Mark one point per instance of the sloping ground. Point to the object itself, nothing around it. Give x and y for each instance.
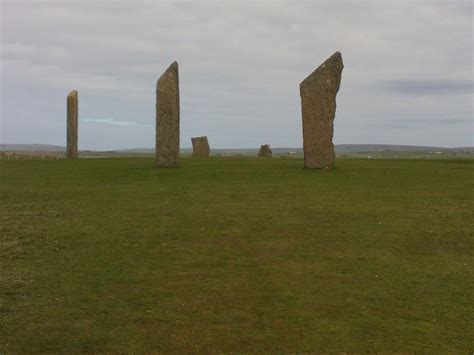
(236, 254)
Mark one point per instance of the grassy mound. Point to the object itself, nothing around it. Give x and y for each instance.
(236, 254)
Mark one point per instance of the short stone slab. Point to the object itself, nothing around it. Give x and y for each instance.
(265, 151)
(200, 146)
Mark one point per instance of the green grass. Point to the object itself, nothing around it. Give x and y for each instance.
(236, 254)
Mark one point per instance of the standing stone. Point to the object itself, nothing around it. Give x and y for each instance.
(318, 106)
(167, 118)
(265, 151)
(200, 146)
(72, 124)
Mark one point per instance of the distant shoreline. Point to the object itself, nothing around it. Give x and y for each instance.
(340, 149)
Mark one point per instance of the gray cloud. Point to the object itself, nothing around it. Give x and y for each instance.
(240, 67)
(404, 123)
(426, 87)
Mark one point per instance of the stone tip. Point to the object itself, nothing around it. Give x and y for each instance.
(72, 93)
(332, 64)
(335, 60)
(172, 69)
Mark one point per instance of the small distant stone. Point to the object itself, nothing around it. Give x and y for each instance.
(200, 146)
(265, 151)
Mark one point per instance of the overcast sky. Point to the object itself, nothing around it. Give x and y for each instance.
(408, 76)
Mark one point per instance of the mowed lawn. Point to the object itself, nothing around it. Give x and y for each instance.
(236, 254)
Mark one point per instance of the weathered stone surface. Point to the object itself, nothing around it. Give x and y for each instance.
(265, 151)
(318, 106)
(72, 124)
(167, 118)
(200, 147)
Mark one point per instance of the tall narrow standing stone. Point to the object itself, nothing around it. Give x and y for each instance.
(167, 118)
(318, 106)
(72, 124)
(200, 146)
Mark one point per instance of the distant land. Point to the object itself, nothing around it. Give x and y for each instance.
(31, 148)
(340, 149)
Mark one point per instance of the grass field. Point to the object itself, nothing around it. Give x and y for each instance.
(236, 254)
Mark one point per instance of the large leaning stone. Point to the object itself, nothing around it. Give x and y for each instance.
(200, 146)
(318, 106)
(265, 151)
(72, 124)
(167, 118)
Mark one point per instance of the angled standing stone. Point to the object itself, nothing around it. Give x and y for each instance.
(72, 124)
(200, 146)
(265, 151)
(167, 118)
(318, 106)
